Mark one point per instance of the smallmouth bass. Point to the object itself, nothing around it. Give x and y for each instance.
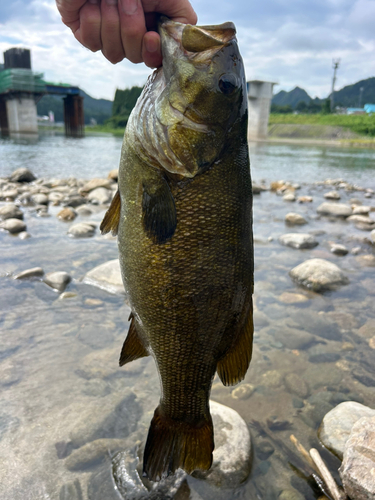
(183, 215)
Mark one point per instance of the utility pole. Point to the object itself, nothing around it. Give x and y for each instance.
(335, 65)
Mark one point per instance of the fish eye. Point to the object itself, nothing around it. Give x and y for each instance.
(228, 84)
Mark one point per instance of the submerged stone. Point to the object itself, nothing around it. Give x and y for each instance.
(319, 275)
(107, 276)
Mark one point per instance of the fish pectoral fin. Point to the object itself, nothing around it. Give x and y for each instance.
(173, 444)
(159, 211)
(112, 216)
(133, 348)
(233, 366)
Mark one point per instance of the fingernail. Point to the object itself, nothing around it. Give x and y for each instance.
(151, 45)
(129, 6)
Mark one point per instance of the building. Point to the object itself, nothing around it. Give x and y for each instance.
(259, 95)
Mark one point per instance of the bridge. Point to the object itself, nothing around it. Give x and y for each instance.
(21, 89)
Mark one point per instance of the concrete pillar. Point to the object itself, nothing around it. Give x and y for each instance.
(74, 116)
(22, 115)
(259, 95)
(4, 128)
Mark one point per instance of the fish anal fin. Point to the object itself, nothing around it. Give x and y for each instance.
(233, 366)
(174, 444)
(159, 211)
(112, 216)
(133, 348)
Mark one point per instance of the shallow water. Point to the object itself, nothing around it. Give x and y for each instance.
(60, 385)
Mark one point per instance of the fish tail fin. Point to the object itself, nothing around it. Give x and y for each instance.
(174, 444)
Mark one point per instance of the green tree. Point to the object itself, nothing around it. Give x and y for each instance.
(123, 105)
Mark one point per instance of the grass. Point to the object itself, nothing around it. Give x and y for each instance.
(361, 124)
(104, 129)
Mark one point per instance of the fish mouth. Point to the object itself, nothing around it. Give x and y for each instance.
(194, 41)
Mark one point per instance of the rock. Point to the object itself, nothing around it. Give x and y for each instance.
(244, 391)
(91, 454)
(291, 494)
(319, 275)
(332, 195)
(256, 188)
(364, 378)
(55, 198)
(372, 235)
(298, 240)
(84, 210)
(74, 200)
(357, 470)
(107, 276)
(58, 280)
(95, 184)
(361, 210)
(264, 450)
(294, 219)
(22, 175)
(35, 272)
(296, 385)
(319, 324)
(82, 230)
(102, 363)
(271, 378)
(338, 249)
(368, 329)
(100, 196)
(292, 338)
(71, 491)
(366, 260)
(40, 199)
(305, 199)
(371, 342)
(292, 298)
(113, 175)
(334, 209)
(324, 357)
(67, 214)
(289, 197)
(10, 211)
(24, 235)
(67, 295)
(13, 226)
(337, 424)
(361, 218)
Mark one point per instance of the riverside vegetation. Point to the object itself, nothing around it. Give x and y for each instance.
(66, 407)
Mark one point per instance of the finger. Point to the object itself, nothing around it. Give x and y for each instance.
(180, 11)
(110, 31)
(89, 30)
(69, 10)
(151, 50)
(133, 28)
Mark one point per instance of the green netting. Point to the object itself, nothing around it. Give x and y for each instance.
(21, 80)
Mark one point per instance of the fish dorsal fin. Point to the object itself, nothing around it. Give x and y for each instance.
(112, 216)
(233, 366)
(200, 38)
(133, 348)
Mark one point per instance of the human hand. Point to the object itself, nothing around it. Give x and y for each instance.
(123, 28)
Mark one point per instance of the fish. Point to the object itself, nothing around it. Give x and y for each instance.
(183, 216)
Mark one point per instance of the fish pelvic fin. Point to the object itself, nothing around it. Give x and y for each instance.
(233, 366)
(133, 348)
(112, 216)
(173, 444)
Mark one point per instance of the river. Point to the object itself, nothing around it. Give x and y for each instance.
(60, 385)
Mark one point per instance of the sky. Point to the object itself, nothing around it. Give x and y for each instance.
(291, 42)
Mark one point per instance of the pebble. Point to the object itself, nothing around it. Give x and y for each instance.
(296, 385)
(75, 200)
(82, 230)
(34, 272)
(325, 357)
(338, 249)
(84, 210)
(292, 298)
(366, 260)
(371, 342)
(361, 210)
(368, 329)
(107, 276)
(40, 199)
(22, 175)
(264, 450)
(291, 494)
(113, 174)
(334, 209)
(67, 295)
(100, 196)
(332, 195)
(292, 338)
(58, 280)
(319, 275)
(24, 235)
(294, 219)
(95, 183)
(13, 226)
(244, 391)
(357, 470)
(93, 302)
(298, 240)
(10, 211)
(67, 214)
(372, 235)
(305, 199)
(271, 378)
(289, 197)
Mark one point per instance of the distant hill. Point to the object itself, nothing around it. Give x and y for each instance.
(291, 98)
(346, 97)
(99, 109)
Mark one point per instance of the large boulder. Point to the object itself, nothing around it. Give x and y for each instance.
(319, 275)
(358, 466)
(334, 209)
(337, 424)
(22, 175)
(107, 276)
(298, 240)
